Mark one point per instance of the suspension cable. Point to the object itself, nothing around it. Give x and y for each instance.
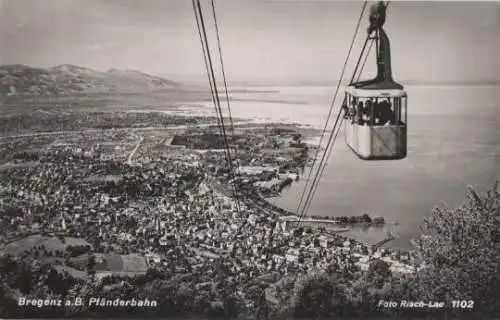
(366, 59)
(213, 86)
(330, 146)
(333, 138)
(307, 199)
(339, 128)
(228, 106)
(216, 91)
(359, 59)
(206, 64)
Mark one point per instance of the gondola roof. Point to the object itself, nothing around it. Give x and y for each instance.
(375, 93)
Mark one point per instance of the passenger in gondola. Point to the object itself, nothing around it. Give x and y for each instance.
(352, 110)
(345, 110)
(368, 111)
(358, 113)
(377, 113)
(353, 114)
(387, 113)
(384, 113)
(391, 115)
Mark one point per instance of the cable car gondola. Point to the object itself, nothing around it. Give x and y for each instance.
(376, 109)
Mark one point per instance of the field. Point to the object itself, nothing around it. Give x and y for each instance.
(73, 272)
(134, 263)
(50, 243)
(120, 263)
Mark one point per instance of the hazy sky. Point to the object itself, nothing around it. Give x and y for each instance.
(277, 39)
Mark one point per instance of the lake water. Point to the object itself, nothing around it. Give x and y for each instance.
(453, 142)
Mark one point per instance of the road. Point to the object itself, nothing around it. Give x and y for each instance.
(129, 160)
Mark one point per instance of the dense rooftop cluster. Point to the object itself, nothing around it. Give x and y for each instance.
(99, 214)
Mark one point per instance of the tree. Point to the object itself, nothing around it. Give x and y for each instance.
(366, 218)
(298, 232)
(378, 272)
(319, 296)
(61, 237)
(296, 137)
(25, 279)
(91, 263)
(459, 250)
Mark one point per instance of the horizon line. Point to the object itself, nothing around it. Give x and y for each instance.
(253, 80)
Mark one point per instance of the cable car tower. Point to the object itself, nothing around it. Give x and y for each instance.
(376, 109)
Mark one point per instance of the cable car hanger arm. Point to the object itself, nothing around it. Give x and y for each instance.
(384, 79)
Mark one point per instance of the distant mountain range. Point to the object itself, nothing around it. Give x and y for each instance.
(69, 79)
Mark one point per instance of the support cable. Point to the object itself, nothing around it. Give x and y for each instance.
(237, 193)
(335, 134)
(212, 82)
(332, 134)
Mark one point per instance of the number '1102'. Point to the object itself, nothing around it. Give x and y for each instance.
(463, 304)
